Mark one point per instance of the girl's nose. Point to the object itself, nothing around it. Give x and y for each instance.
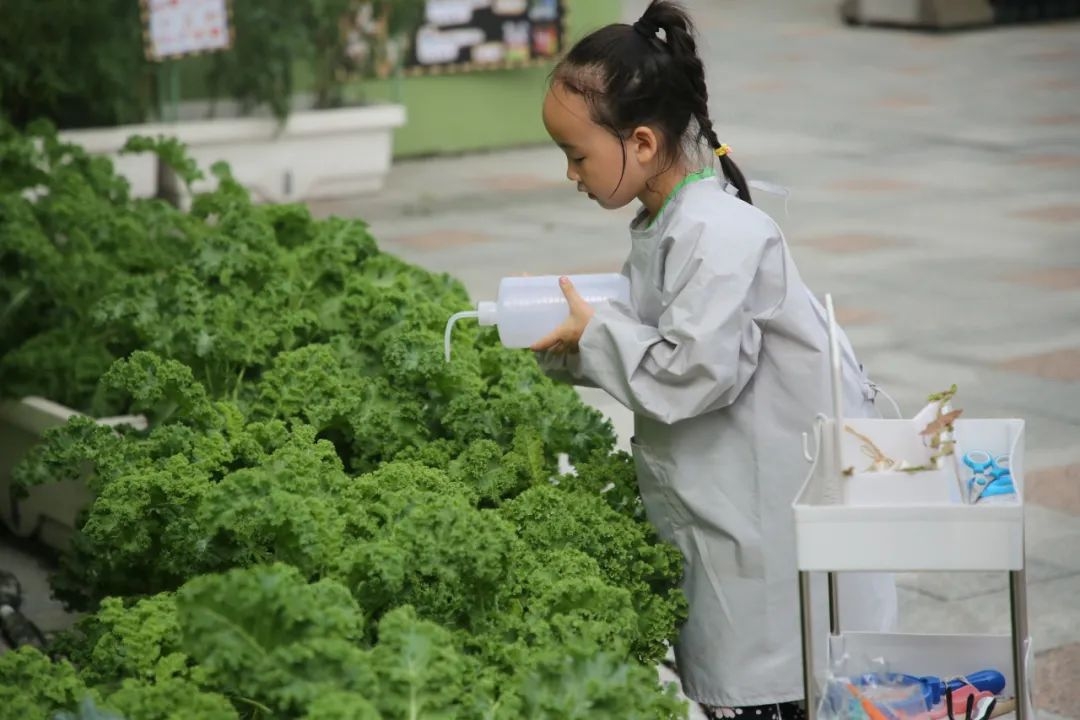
(571, 175)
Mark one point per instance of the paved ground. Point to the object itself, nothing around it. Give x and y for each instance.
(935, 187)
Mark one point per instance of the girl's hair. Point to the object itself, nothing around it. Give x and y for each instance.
(631, 77)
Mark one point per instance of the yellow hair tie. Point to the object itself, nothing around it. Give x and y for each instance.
(723, 150)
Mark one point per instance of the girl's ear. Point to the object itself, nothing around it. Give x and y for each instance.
(644, 144)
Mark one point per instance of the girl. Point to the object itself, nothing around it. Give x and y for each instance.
(723, 357)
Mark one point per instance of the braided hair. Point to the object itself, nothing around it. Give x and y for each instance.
(650, 74)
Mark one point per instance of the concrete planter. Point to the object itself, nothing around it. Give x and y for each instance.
(938, 14)
(141, 170)
(315, 154)
(50, 512)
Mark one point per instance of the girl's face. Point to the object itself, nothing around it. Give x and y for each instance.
(595, 157)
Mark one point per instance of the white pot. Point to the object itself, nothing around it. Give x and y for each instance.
(50, 512)
(141, 170)
(316, 154)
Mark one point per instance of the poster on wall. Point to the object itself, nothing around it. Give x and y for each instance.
(463, 35)
(176, 28)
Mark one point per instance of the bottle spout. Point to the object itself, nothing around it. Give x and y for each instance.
(487, 313)
(450, 328)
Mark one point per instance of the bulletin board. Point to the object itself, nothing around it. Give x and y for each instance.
(177, 28)
(469, 35)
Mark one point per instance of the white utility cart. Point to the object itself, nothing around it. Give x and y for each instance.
(893, 522)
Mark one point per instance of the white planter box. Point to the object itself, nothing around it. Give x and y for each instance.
(919, 13)
(50, 512)
(141, 170)
(316, 154)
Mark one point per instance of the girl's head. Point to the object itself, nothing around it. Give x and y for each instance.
(629, 103)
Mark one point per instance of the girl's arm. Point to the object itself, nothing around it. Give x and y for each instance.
(718, 290)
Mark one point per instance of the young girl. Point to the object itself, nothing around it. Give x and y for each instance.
(723, 358)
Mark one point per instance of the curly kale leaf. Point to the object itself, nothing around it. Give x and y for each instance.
(63, 364)
(550, 599)
(550, 518)
(517, 395)
(68, 452)
(139, 641)
(342, 705)
(162, 388)
(222, 336)
(87, 710)
(569, 683)
(498, 475)
(611, 475)
(169, 699)
(329, 251)
(23, 162)
(432, 549)
(170, 151)
(420, 671)
(141, 535)
(265, 634)
(35, 687)
(366, 418)
(288, 648)
(413, 357)
(183, 503)
(285, 509)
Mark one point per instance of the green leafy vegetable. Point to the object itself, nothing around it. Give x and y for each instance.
(324, 519)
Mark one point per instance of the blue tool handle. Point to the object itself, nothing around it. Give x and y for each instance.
(983, 680)
(934, 688)
(998, 488)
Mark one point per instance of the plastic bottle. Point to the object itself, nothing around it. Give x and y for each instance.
(529, 308)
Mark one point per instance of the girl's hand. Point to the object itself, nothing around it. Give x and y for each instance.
(565, 338)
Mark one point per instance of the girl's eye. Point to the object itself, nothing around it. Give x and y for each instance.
(579, 160)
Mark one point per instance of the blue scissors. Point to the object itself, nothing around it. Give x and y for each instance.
(990, 475)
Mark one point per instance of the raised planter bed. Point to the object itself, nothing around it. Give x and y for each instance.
(50, 512)
(315, 154)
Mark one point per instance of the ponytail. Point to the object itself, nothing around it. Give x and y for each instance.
(679, 33)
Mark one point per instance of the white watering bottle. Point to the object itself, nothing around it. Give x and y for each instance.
(529, 308)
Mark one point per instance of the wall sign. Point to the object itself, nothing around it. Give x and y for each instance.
(175, 28)
(463, 35)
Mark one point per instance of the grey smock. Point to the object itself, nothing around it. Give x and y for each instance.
(724, 360)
